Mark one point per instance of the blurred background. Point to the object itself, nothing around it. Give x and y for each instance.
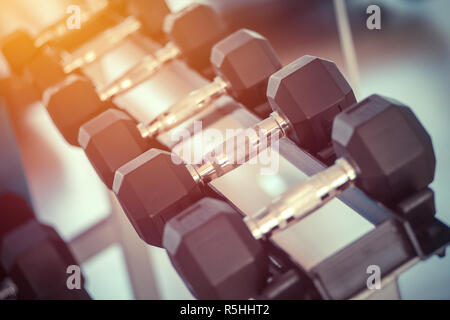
(407, 59)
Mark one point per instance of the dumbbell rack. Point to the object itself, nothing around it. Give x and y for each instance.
(355, 199)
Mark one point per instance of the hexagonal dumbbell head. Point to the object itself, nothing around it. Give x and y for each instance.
(389, 145)
(15, 211)
(310, 92)
(151, 14)
(246, 60)
(194, 30)
(18, 49)
(43, 64)
(32, 254)
(18, 94)
(36, 258)
(152, 189)
(72, 103)
(45, 70)
(215, 254)
(110, 140)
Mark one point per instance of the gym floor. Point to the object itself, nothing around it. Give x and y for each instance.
(408, 59)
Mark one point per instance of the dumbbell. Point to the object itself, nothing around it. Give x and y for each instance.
(214, 253)
(217, 257)
(48, 65)
(197, 19)
(112, 138)
(20, 48)
(384, 149)
(192, 33)
(305, 96)
(32, 254)
(14, 212)
(203, 29)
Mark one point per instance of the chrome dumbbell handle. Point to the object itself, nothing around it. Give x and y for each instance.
(101, 45)
(142, 71)
(303, 200)
(239, 149)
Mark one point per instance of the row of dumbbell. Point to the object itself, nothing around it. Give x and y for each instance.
(148, 204)
(41, 59)
(46, 66)
(308, 97)
(48, 63)
(305, 96)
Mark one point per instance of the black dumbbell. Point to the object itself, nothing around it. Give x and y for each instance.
(217, 257)
(17, 93)
(20, 48)
(196, 19)
(214, 252)
(112, 139)
(33, 255)
(42, 58)
(193, 31)
(384, 150)
(305, 96)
